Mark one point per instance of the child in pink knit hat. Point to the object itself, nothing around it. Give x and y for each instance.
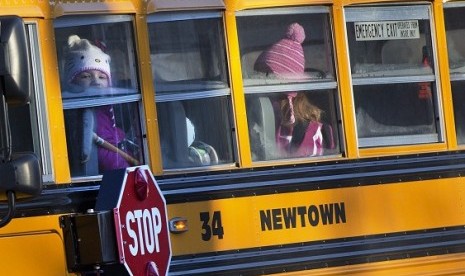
(87, 66)
(299, 132)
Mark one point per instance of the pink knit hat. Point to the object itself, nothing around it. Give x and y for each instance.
(285, 59)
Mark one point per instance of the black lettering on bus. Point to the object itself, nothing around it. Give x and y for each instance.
(289, 216)
(205, 219)
(326, 211)
(332, 211)
(217, 225)
(302, 211)
(214, 228)
(276, 213)
(313, 215)
(265, 219)
(340, 213)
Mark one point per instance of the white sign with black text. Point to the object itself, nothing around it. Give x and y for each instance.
(386, 30)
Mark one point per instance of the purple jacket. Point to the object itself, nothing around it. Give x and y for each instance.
(107, 129)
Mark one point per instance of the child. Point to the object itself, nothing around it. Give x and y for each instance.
(298, 132)
(87, 66)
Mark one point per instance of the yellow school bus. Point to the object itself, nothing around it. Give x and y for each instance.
(297, 137)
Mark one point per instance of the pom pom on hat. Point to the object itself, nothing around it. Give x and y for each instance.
(295, 32)
(83, 56)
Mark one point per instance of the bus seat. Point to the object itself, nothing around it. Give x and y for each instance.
(167, 67)
(247, 63)
(377, 117)
(262, 127)
(179, 149)
(317, 57)
(368, 126)
(407, 51)
(206, 125)
(173, 134)
(74, 135)
(456, 53)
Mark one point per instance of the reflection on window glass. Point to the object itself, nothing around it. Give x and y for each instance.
(288, 70)
(188, 55)
(392, 63)
(455, 31)
(377, 118)
(390, 48)
(193, 96)
(100, 94)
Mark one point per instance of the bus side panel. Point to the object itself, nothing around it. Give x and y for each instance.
(306, 216)
(32, 246)
(451, 264)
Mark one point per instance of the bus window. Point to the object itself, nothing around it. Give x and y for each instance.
(455, 31)
(100, 93)
(289, 82)
(394, 84)
(192, 90)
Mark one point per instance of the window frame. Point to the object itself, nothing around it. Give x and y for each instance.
(455, 77)
(38, 107)
(119, 96)
(329, 86)
(400, 12)
(177, 92)
(168, 96)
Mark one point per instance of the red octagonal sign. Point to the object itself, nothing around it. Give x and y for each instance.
(140, 220)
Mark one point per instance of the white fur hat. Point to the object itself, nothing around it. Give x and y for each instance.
(83, 56)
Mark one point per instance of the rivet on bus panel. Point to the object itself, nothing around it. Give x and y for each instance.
(178, 225)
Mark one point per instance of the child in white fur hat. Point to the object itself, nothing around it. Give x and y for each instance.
(87, 66)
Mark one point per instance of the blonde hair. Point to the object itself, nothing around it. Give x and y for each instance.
(303, 110)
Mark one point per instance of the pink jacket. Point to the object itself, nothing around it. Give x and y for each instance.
(311, 145)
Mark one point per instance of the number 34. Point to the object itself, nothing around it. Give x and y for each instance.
(213, 228)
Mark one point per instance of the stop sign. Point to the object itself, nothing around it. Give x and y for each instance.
(140, 217)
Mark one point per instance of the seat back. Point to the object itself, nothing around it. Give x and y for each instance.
(173, 134)
(262, 128)
(79, 141)
(407, 51)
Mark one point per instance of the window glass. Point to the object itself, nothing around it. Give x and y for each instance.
(394, 85)
(291, 91)
(100, 93)
(192, 89)
(455, 31)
